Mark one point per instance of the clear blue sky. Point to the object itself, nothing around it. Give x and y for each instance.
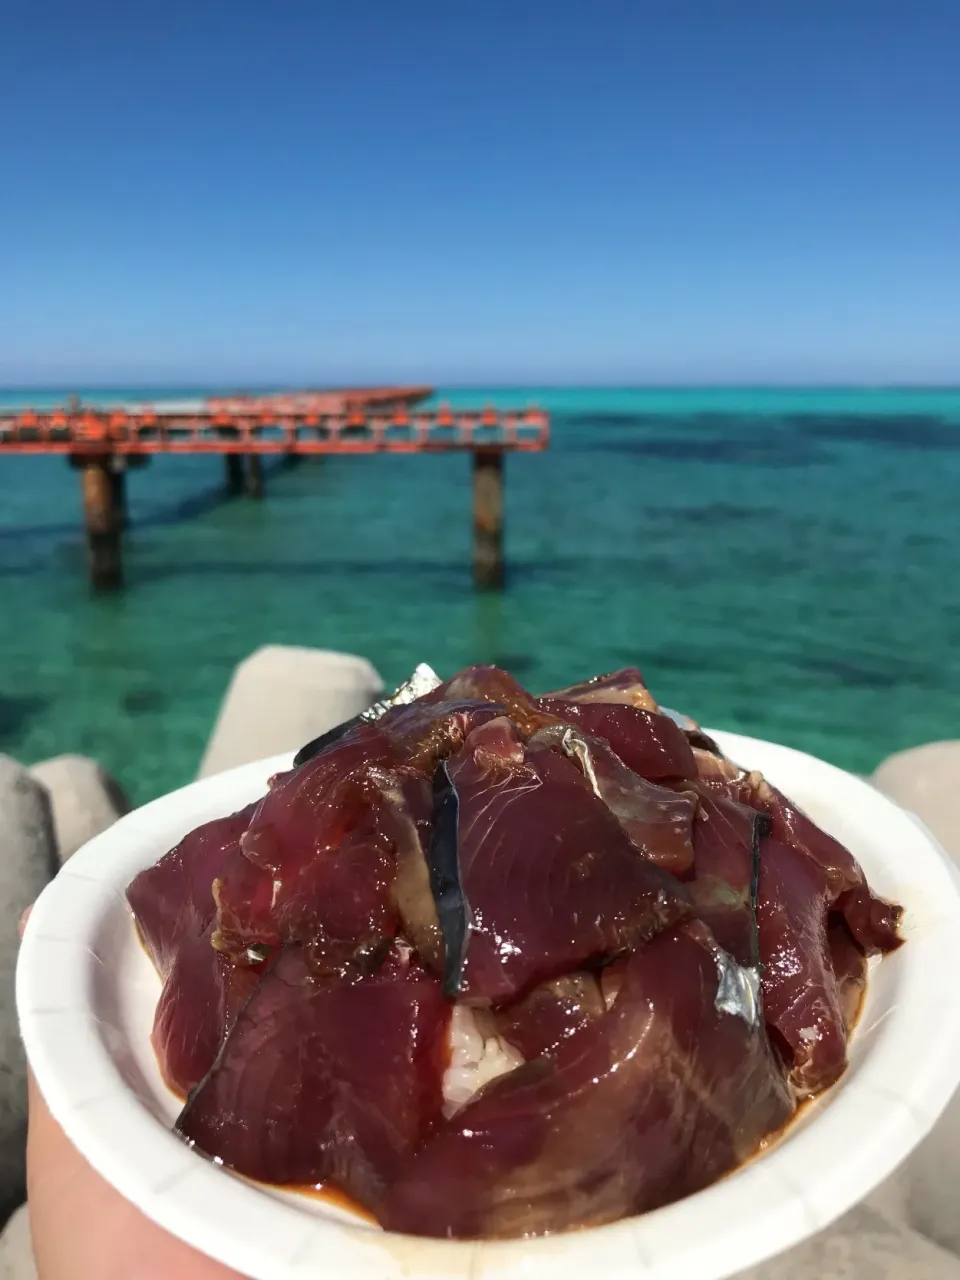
(197, 191)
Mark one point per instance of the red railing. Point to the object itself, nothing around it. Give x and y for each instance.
(276, 427)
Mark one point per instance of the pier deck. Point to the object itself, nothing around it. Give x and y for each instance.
(104, 443)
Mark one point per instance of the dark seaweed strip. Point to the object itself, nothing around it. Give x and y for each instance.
(692, 732)
(703, 741)
(443, 859)
(326, 740)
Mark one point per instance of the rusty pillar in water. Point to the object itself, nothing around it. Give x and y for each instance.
(488, 518)
(255, 475)
(233, 465)
(118, 478)
(103, 517)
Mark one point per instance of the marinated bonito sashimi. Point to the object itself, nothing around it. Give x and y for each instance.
(656, 1098)
(551, 879)
(496, 965)
(176, 915)
(322, 1080)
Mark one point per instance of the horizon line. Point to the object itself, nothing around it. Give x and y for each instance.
(481, 385)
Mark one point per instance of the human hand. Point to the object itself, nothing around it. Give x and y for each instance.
(83, 1229)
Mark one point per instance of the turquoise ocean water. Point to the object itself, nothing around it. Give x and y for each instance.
(783, 563)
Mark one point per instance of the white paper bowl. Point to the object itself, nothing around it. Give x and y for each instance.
(86, 995)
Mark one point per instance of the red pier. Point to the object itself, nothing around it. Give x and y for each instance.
(103, 443)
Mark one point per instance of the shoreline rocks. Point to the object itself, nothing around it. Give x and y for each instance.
(16, 1248)
(85, 800)
(281, 697)
(28, 861)
(863, 1245)
(926, 780)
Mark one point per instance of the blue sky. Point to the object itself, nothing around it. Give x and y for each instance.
(528, 190)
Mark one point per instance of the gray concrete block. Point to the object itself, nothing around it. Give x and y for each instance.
(16, 1248)
(28, 860)
(926, 780)
(924, 1192)
(281, 697)
(863, 1245)
(85, 800)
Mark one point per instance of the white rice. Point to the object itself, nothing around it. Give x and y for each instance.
(476, 1058)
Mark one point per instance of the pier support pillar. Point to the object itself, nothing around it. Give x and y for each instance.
(118, 478)
(488, 519)
(102, 515)
(255, 475)
(233, 463)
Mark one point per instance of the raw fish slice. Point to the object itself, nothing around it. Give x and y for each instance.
(342, 905)
(617, 707)
(202, 994)
(649, 744)
(173, 899)
(318, 835)
(657, 821)
(339, 900)
(624, 686)
(174, 909)
(318, 859)
(314, 806)
(872, 921)
(245, 919)
(549, 878)
(499, 688)
(432, 728)
(326, 1081)
(801, 996)
(723, 885)
(550, 1013)
(793, 827)
(653, 1100)
(790, 825)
